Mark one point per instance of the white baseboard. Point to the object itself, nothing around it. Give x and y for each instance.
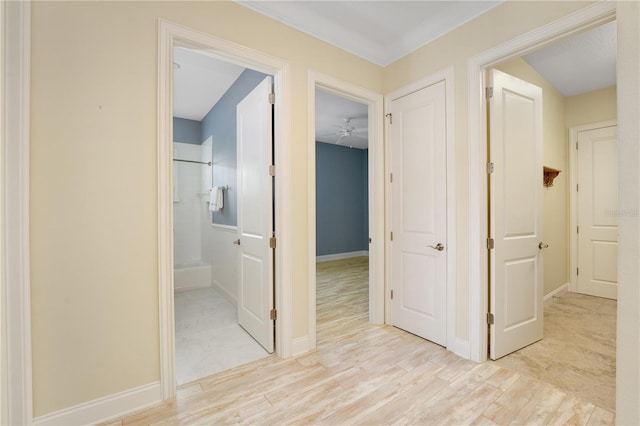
(338, 256)
(548, 298)
(461, 348)
(300, 345)
(230, 297)
(106, 408)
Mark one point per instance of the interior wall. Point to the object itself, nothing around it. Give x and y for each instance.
(593, 107)
(554, 155)
(220, 124)
(187, 131)
(341, 199)
(94, 250)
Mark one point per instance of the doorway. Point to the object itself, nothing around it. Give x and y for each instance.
(576, 354)
(219, 108)
(171, 36)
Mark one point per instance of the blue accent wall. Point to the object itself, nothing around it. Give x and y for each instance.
(187, 131)
(220, 123)
(342, 213)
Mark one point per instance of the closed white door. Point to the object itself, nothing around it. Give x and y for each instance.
(255, 214)
(598, 212)
(419, 212)
(516, 214)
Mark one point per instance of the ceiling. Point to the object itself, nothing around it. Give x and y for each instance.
(378, 31)
(199, 81)
(381, 32)
(341, 121)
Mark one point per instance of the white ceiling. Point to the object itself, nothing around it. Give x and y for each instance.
(199, 81)
(382, 31)
(378, 31)
(579, 64)
(335, 114)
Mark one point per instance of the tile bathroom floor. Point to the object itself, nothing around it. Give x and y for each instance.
(208, 337)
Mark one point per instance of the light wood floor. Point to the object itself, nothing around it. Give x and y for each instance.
(368, 374)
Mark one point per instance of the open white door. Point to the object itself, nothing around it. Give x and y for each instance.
(516, 214)
(255, 214)
(418, 141)
(598, 212)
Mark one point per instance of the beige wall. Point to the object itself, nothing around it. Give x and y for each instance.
(93, 182)
(93, 171)
(592, 107)
(556, 198)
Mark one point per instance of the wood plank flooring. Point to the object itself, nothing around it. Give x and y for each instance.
(367, 374)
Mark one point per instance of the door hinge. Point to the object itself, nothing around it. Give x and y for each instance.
(490, 318)
(490, 168)
(578, 229)
(491, 243)
(488, 92)
(577, 187)
(272, 242)
(272, 170)
(391, 294)
(391, 235)
(576, 144)
(390, 116)
(391, 177)
(370, 240)
(273, 314)
(272, 98)
(577, 271)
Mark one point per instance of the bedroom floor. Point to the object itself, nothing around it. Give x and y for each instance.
(208, 337)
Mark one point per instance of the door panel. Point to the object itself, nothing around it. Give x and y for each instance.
(597, 212)
(516, 279)
(255, 213)
(419, 217)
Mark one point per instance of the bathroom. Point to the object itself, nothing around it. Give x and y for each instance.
(208, 338)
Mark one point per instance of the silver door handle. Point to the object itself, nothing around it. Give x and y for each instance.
(237, 242)
(543, 245)
(438, 247)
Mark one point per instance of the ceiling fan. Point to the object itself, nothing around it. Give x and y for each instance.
(349, 130)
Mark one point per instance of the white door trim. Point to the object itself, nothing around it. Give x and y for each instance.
(376, 193)
(454, 344)
(169, 35)
(586, 18)
(573, 196)
(17, 397)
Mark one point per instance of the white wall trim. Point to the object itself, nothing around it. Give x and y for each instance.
(548, 298)
(588, 17)
(447, 75)
(573, 196)
(106, 408)
(376, 193)
(16, 295)
(339, 256)
(300, 345)
(169, 35)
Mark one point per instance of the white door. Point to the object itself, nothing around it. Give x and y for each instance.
(255, 214)
(419, 212)
(516, 214)
(598, 212)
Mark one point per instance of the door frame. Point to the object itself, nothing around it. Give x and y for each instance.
(376, 196)
(170, 35)
(584, 19)
(458, 346)
(573, 195)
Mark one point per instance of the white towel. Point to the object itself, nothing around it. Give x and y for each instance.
(216, 199)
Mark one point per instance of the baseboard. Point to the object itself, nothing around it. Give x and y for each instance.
(461, 348)
(232, 298)
(338, 256)
(299, 345)
(190, 287)
(106, 408)
(548, 298)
